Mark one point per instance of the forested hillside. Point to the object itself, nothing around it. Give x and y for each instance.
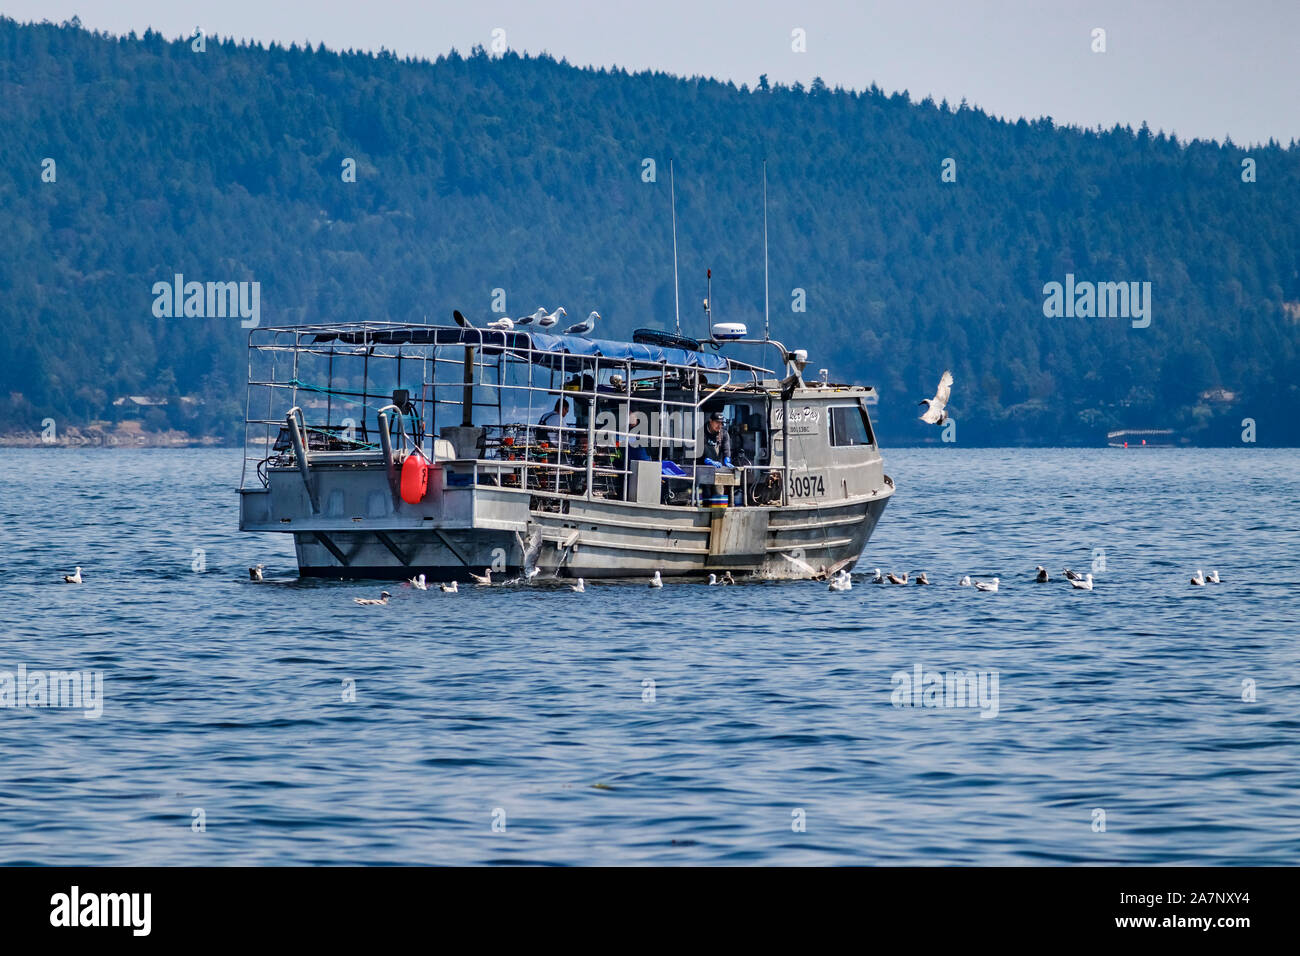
(476, 173)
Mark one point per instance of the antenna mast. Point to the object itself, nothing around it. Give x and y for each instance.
(767, 321)
(677, 300)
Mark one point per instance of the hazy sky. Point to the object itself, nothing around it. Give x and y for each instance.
(1199, 68)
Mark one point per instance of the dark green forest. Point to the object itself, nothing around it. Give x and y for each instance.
(477, 172)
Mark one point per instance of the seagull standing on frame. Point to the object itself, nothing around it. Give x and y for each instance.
(503, 324)
(530, 319)
(546, 321)
(936, 413)
(585, 326)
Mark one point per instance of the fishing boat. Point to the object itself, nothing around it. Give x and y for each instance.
(389, 450)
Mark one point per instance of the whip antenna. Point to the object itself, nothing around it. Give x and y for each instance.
(672, 191)
(767, 321)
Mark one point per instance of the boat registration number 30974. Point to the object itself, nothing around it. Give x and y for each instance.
(807, 486)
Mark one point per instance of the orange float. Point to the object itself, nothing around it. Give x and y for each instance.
(415, 478)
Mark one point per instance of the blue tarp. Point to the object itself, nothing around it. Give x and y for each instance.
(493, 341)
(628, 351)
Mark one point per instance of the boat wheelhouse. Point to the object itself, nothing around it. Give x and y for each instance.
(389, 450)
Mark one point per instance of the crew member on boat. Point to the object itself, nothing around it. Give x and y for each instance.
(555, 418)
(717, 442)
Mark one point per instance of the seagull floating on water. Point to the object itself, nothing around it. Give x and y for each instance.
(1072, 575)
(486, 577)
(255, 572)
(879, 578)
(585, 326)
(546, 321)
(935, 414)
(921, 578)
(964, 582)
(1043, 576)
(986, 585)
(530, 319)
(503, 324)
(841, 581)
(1199, 580)
(1213, 578)
(452, 588)
(418, 583)
(1085, 584)
(580, 587)
(73, 578)
(656, 581)
(381, 600)
(895, 579)
(727, 578)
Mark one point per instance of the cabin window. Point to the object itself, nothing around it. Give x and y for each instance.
(849, 425)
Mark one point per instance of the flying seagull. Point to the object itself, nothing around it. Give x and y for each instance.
(546, 321)
(584, 327)
(381, 600)
(530, 319)
(936, 414)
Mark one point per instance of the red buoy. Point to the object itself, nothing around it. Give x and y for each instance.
(415, 478)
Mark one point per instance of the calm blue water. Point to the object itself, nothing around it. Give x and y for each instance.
(226, 696)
